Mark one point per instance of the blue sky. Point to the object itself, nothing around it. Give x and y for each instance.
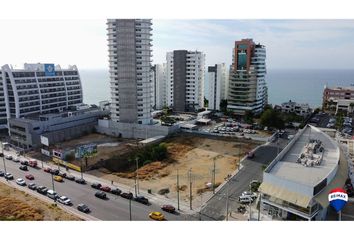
(289, 43)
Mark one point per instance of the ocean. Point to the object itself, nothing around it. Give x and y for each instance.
(303, 86)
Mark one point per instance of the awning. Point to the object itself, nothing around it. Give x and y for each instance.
(285, 195)
(337, 182)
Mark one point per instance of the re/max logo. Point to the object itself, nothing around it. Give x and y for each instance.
(337, 195)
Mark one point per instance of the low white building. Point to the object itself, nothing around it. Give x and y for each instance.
(301, 109)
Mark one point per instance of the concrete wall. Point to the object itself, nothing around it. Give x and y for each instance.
(127, 130)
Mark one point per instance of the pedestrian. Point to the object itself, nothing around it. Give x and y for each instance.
(112, 182)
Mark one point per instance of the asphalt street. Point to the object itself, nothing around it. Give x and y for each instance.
(115, 208)
(215, 208)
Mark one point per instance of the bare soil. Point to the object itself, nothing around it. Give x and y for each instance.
(187, 152)
(18, 205)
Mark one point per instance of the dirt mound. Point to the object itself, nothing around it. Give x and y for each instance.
(147, 171)
(18, 210)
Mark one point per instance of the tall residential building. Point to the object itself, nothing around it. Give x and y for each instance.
(3, 115)
(39, 89)
(247, 86)
(129, 46)
(217, 78)
(185, 80)
(158, 77)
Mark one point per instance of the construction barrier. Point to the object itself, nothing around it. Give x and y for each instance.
(66, 164)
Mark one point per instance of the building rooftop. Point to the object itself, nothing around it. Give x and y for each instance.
(288, 166)
(350, 88)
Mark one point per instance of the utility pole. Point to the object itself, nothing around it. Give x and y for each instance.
(259, 207)
(177, 190)
(130, 209)
(190, 188)
(214, 160)
(137, 174)
(3, 156)
(52, 181)
(227, 201)
(82, 175)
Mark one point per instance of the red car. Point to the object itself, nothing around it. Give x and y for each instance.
(47, 169)
(105, 188)
(29, 177)
(168, 208)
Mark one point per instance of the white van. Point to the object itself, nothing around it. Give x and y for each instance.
(245, 199)
(52, 194)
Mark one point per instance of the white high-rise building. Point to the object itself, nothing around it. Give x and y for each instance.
(217, 77)
(158, 76)
(38, 89)
(129, 46)
(185, 80)
(247, 86)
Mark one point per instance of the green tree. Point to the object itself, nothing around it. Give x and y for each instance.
(272, 118)
(206, 102)
(248, 117)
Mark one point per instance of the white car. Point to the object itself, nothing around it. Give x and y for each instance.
(64, 200)
(21, 182)
(252, 195)
(16, 159)
(8, 157)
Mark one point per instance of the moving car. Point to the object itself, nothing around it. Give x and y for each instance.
(157, 216)
(70, 177)
(116, 191)
(58, 178)
(127, 195)
(21, 182)
(80, 181)
(142, 200)
(245, 199)
(105, 188)
(8, 176)
(23, 168)
(101, 195)
(83, 208)
(168, 208)
(29, 177)
(64, 200)
(32, 186)
(42, 190)
(2, 173)
(96, 185)
(8, 157)
(250, 194)
(47, 169)
(24, 162)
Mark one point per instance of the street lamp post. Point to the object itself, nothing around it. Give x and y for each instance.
(82, 174)
(137, 177)
(52, 181)
(130, 209)
(177, 190)
(227, 201)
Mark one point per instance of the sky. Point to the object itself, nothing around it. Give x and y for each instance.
(290, 44)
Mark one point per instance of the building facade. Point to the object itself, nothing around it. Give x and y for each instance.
(217, 77)
(39, 89)
(338, 99)
(247, 86)
(57, 127)
(3, 115)
(185, 80)
(159, 77)
(129, 46)
(302, 109)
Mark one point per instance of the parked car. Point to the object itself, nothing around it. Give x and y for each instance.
(168, 208)
(101, 195)
(96, 185)
(142, 200)
(8, 157)
(83, 208)
(16, 159)
(2, 173)
(32, 186)
(54, 171)
(105, 188)
(245, 199)
(24, 162)
(29, 177)
(250, 194)
(70, 177)
(62, 174)
(21, 182)
(116, 191)
(47, 169)
(42, 190)
(64, 200)
(80, 181)
(32, 163)
(8, 176)
(52, 194)
(23, 168)
(250, 154)
(127, 195)
(157, 216)
(58, 178)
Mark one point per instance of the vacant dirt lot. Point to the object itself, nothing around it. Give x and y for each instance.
(17, 205)
(184, 153)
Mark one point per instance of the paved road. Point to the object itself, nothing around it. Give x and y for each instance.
(215, 208)
(115, 208)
